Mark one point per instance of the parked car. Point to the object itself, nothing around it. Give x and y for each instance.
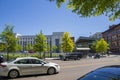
(96, 56)
(1, 59)
(72, 56)
(104, 73)
(27, 66)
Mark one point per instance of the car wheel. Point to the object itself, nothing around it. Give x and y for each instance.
(51, 71)
(13, 74)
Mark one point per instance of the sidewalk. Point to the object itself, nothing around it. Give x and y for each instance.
(111, 56)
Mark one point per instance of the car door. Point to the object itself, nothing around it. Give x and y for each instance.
(24, 66)
(38, 66)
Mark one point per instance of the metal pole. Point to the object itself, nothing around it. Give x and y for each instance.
(50, 48)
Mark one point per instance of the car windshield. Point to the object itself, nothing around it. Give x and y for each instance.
(99, 76)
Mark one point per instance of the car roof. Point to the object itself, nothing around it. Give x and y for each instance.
(114, 69)
(26, 58)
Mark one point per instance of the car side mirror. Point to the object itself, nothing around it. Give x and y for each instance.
(42, 64)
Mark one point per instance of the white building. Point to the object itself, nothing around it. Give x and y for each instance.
(53, 40)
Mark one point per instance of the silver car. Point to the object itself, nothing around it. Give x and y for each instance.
(27, 66)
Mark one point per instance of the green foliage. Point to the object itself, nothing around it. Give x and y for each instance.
(100, 46)
(93, 47)
(67, 43)
(18, 47)
(17, 55)
(87, 8)
(54, 48)
(28, 47)
(2, 47)
(40, 43)
(9, 38)
(48, 48)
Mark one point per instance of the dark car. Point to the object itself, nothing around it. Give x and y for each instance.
(72, 56)
(104, 73)
(96, 56)
(1, 59)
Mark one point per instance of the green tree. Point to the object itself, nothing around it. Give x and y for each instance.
(28, 47)
(100, 46)
(2, 47)
(54, 48)
(18, 47)
(9, 39)
(93, 47)
(40, 43)
(87, 8)
(67, 43)
(48, 48)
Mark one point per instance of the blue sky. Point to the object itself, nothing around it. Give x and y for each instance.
(29, 17)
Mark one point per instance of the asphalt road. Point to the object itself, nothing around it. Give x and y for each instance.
(71, 70)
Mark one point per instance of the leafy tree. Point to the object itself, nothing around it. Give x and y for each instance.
(48, 48)
(93, 47)
(54, 48)
(2, 47)
(67, 43)
(87, 8)
(18, 47)
(40, 43)
(28, 47)
(100, 46)
(9, 38)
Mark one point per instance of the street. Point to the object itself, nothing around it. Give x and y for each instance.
(71, 70)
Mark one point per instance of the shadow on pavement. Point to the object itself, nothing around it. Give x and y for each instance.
(4, 78)
(27, 76)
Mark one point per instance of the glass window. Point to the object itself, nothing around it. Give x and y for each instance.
(23, 61)
(35, 61)
(93, 76)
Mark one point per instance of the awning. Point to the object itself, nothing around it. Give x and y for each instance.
(83, 48)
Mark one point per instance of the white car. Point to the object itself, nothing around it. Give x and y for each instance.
(27, 66)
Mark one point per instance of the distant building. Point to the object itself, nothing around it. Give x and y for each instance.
(53, 40)
(112, 36)
(16, 35)
(97, 36)
(83, 44)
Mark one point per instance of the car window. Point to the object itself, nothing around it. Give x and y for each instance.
(35, 61)
(23, 61)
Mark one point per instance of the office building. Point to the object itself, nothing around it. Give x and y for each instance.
(112, 36)
(53, 40)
